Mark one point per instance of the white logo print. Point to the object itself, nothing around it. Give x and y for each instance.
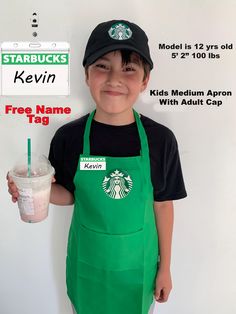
(120, 31)
(117, 185)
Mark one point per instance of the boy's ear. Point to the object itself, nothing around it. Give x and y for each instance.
(145, 82)
(86, 76)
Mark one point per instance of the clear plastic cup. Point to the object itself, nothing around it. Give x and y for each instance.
(34, 189)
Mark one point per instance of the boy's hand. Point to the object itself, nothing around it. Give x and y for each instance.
(163, 286)
(12, 189)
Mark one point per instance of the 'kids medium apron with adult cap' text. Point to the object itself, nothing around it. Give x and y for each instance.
(112, 253)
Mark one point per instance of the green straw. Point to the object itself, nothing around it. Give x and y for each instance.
(29, 156)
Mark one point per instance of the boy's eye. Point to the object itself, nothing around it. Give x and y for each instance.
(101, 66)
(129, 68)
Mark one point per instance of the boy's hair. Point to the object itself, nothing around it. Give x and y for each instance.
(117, 35)
(126, 56)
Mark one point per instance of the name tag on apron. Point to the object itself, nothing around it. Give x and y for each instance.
(93, 163)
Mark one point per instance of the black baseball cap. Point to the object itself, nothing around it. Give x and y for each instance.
(116, 35)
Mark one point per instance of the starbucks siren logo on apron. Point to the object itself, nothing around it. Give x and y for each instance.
(117, 184)
(120, 31)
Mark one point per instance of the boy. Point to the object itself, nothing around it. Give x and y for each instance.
(122, 171)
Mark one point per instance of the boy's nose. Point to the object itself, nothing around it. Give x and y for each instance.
(114, 78)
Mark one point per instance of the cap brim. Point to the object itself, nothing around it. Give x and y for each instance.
(92, 58)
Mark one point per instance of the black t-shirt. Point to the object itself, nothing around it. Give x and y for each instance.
(120, 141)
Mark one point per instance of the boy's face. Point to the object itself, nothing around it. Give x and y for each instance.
(113, 86)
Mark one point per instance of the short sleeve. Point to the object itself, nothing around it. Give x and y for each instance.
(170, 185)
(57, 159)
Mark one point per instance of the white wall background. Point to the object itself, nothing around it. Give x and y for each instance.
(32, 256)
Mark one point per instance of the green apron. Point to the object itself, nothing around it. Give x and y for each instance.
(112, 253)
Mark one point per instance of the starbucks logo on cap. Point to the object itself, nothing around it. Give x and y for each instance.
(117, 184)
(120, 31)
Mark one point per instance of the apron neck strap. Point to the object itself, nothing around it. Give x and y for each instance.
(142, 135)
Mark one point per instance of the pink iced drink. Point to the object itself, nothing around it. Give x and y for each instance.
(34, 205)
(34, 186)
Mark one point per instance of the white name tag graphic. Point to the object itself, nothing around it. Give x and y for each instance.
(92, 166)
(92, 163)
(35, 68)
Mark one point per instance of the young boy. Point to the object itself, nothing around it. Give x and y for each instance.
(121, 170)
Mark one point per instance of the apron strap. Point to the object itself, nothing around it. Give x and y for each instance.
(86, 144)
(144, 146)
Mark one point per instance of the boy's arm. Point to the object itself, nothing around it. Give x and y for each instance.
(164, 222)
(164, 214)
(60, 195)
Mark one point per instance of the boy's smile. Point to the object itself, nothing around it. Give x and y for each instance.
(115, 87)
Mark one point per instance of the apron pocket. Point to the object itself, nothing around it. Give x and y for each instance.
(111, 251)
